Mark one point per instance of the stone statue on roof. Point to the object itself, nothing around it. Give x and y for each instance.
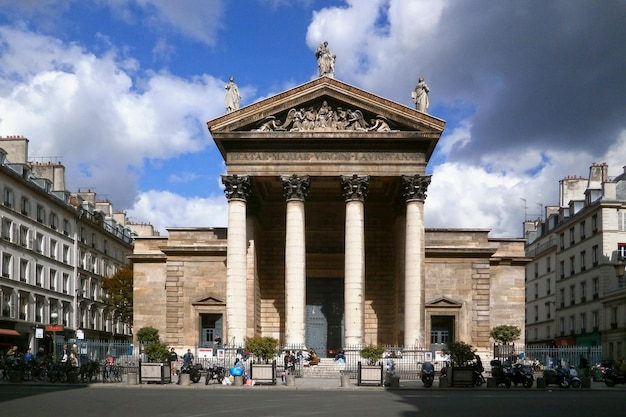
(325, 60)
(232, 96)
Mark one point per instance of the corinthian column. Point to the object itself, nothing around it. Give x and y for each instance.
(295, 190)
(354, 191)
(414, 288)
(237, 191)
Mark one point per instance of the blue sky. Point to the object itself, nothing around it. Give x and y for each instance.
(120, 92)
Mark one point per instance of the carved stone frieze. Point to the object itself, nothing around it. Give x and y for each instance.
(237, 187)
(415, 187)
(355, 188)
(324, 118)
(295, 187)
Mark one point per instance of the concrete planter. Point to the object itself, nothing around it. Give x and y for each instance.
(263, 373)
(370, 375)
(462, 376)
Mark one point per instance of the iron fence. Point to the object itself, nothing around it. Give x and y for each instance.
(549, 356)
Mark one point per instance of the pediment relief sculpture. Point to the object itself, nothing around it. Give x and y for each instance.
(324, 118)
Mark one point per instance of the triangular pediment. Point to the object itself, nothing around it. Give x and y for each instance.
(337, 95)
(322, 109)
(209, 301)
(444, 302)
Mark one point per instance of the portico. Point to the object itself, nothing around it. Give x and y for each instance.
(335, 199)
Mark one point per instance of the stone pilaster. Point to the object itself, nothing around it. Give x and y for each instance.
(295, 190)
(237, 191)
(354, 191)
(414, 287)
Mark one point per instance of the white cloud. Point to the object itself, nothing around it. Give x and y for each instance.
(88, 111)
(165, 209)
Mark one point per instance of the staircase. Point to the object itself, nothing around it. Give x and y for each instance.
(327, 368)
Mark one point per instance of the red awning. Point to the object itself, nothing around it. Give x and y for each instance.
(9, 332)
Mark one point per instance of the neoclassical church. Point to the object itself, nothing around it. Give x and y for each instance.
(326, 245)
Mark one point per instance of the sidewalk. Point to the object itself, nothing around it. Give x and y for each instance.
(307, 384)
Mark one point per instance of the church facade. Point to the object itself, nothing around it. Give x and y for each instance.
(326, 244)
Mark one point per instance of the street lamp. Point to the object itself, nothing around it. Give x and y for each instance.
(54, 316)
(619, 271)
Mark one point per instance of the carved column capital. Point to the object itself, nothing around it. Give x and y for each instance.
(237, 188)
(354, 188)
(415, 187)
(295, 187)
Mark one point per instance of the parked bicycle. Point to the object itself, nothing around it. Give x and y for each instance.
(89, 371)
(111, 373)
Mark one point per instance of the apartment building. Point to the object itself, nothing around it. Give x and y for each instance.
(575, 290)
(56, 247)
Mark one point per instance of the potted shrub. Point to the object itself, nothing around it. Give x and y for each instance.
(372, 372)
(263, 366)
(157, 369)
(461, 355)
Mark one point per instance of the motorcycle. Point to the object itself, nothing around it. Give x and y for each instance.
(522, 374)
(215, 372)
(194, 372)
(427, 374)
(501, 373)
(614, 376)
(563, 377)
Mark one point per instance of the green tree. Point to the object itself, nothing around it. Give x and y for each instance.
(153, 347)
(505, 334)
(460, 352)
(263, 348)
(372, 353)
(118, 294)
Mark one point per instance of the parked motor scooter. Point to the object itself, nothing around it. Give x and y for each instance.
(522, 374)
(562, 376)
(427, 374)
(194, 372)
(614, 376)
(478, 378)
(501, 373)
(215, 372)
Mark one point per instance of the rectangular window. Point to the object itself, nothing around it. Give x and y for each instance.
(562, 241)
(562, 297)
(53, 279)
(583, 266)
(583, 322)
(53, 248)
(582, 230)
(66, 227)
(548, 335)
(54, 221)
(24, 236)
(572, 295)
(562, 326)
(548, 264)
(594, 255)
(572, 324)
(8, 197)
(41, 213)
(25, 206)
(595, 318)
(583, 292)
(548, 310)
(7, 229)
(572, 237)
(595, 287)
(39, 275)
(594, 223)
(536, 269)
(572, 263)
(93, 240)
(621, 250)
(66, 283)
(548, 286)
(24, 270)
(39, 243)
(7, 265)
(562, 269)
(536, 291)
(66, 254)
(621, 220)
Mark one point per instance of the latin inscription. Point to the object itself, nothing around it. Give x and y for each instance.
(325, 156)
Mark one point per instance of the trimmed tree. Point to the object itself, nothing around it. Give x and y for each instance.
(263, 348)
(505, 334)
(155, 350)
